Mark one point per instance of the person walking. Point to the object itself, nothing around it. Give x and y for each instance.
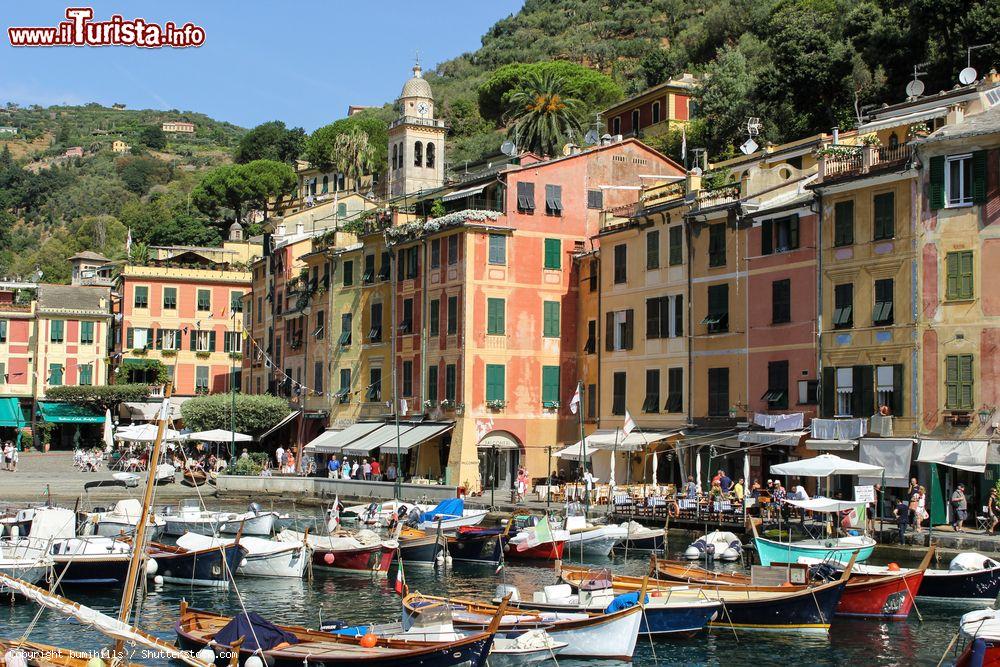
(355, 468)
(8, 449)
(333, 467)
(960, 508)
(14, 455)
(366, 470)
(279, 458)
(376, 470)
(902, 514)
(993, 509)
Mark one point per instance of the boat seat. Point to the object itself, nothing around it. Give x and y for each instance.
(558, 592)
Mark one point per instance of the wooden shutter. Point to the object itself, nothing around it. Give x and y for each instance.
(828, 391)
(793, 232)
(211, 342)
(863, 397)
(979, 177)
(965, 381)
(897, 390)
(679, 315)
(951, 381)
(629, 324)
(936, 190)
(194, 340)
(653, 318)
(159, 339)
(609, 331)
(965, 283)
(767, 237)
(953, 269)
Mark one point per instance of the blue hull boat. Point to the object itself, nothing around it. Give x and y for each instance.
(835, 549)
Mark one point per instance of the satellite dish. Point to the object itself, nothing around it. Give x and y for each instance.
(749, 146)
(915, 88)
(508, 148)
(696, 171)
(591, 138)
(967, 76)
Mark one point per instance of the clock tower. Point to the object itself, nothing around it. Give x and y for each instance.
(416, 140)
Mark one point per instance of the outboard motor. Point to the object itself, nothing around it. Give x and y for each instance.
(503, 589)
(333, 624)
(824, 572)
(414, 517)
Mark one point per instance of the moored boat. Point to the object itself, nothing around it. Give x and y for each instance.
(981, 631)
(420, 547)
(590, 539)
(264, 558)
(538, 542)
(122, 519)
(641, 538)
(363, 552)
(840, 549)
(449, 515)
(718, 545)
(213, 566)
(477, 544)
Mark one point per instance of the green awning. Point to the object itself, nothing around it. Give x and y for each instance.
(11, 413)
(68, 413)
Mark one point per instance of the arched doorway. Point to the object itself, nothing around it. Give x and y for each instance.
(499, 457)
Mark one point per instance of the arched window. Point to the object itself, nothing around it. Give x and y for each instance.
(418, 154)
(312, 187)
(402, 156)
(893, 140)
(430, 155)
(341, 182)
(326, 183)
(395, 156)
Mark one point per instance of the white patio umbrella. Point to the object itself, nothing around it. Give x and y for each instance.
(611, 468)
(697, 469)
(218, 435)
(825, 465)
(145, 433)
(654, 468)
(746, 477)
(108, 438)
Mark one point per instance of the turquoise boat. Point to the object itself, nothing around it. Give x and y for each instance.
(838, 549)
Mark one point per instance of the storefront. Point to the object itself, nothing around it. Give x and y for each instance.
(499, 458)
(12, 421)
(72, 426)
(973, 463)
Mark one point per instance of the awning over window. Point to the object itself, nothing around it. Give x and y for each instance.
(906, 119)
(11, 413)
(289, 417)
(572, 453)
(462, 194)
(971, 455)
(786, 438)
(415, 437)
(382, 436)
(68, 413)
(817, 445)
(332, 441)
(893, 454)
(635, 441)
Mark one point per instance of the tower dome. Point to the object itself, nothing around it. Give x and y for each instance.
(417, 86)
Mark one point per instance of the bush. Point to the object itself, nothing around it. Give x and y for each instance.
(248, 467)
(254, 414)
(106, 397)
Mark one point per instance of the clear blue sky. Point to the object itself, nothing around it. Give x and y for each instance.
(302, 62)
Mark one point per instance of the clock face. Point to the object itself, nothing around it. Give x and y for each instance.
(422, 108)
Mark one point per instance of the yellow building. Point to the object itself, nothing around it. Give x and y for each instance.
(120, 147)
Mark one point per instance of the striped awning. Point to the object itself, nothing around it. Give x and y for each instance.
(415, 437)
(332, 441)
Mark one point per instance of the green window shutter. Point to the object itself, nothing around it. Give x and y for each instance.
(194, 340)
(936, 191)
(553, 254)
(793, 232)
(609, 331)
(550, 384)
(676, 246)
(495, 323)
(159, 339)
(130, 338)
(843, 225)
(211, 341)
(979, 177)
(951, 381)
(953, 269)
(495, 382)
(884, 222)
(550, 326)
(965, 381)
(828, 391)
(767, 237)
(897, 390)
(965, 284)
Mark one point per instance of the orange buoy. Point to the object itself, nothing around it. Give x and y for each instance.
(328, 558)
(893, 567)
(369, 640)
(787, 584)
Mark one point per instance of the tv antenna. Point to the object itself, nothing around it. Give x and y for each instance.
(915, 88)
(969, 75)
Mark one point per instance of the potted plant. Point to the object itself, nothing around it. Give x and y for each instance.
(496, 404)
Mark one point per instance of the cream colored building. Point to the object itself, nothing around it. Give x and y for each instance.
(416, 140)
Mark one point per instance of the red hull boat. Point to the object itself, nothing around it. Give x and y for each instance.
(544, 551)
(375, 558)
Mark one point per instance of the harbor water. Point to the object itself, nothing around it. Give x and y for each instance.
(362, 599)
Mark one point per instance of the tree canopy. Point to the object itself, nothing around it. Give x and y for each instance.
(254, 414)
(544, 114)
(271, 141)
(238, 187)
(320, 147)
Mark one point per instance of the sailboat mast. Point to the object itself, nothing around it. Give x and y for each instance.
(139, 539)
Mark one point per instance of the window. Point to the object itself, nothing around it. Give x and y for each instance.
(141, 296)
(318, 377)
(418, 154)
(616, 125)
(434, 317)
(453, 249)
(319, 333)
(3, 331)
(525, 197)
(958, 382)
(498, 249)
(86, 333)
(406, 322)
(55, 374)
(452, 315)
(429, 161)
(808, 392)
(958, 180)
(232, 342)
(374, 390)
(375, 315)
(781, 301)
(432, 383)
(595, 199)
(326, 183)
(592, 278)
(658, 316)
(845, 391)
(550, 319)
(553, 254)
(591, 345)
(656, 113)
(843, 223)
(168, 339)
(889, 387)
(621, 263)
(204, 299)
(591, 401)
(402, 155)
(777, 385)
(346, 322)
(675, 390)
(652, 401)
(717, 319)
(395, 156)
(717, 244)
(676, 245)
(407, 379)
(348, 273)
(882, 313)
(450, 379)
(204, 341)
(170, 299)
(495, 324)
(843, 306)
(368, 277)
(652, 249)
(959, 275)
(201, 379)
(553, 200)
(236, 302)
(779, 235)
(343, 394)
(718, 392)
(385, 266)
(618, 330)
(635, 120)
(618, 393)
(550, 386)
(884, 221)
(495, 382)
(86, 375)
(436, 253)
(56, 334)
(260, 309)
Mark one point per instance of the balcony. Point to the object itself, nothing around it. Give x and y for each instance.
(418, 120)
(837, 162)
(727, 194)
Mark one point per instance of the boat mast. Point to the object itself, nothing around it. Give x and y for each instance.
(139, 539)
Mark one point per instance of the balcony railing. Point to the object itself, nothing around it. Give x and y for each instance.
(854, 160)
(418, 120)
(727, 194)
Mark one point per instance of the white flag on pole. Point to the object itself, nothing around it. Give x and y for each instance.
(629, 424)
(684, 143)
(574, 403)
(403, 407)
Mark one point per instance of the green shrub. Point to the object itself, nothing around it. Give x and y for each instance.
(254, 414)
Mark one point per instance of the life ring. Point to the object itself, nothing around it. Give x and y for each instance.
(884, 410)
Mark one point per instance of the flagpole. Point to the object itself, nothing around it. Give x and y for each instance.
(583, 447)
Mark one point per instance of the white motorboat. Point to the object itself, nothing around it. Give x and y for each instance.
(189, 517)
(122, 519)
(718, 544)
(265, 558)
(641, 538)
(32, 567)
(450, 515)
(590, 539)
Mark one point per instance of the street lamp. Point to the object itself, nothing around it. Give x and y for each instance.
(984, 415)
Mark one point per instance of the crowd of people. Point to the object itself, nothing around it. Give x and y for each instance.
(360, 469)
(10, 456)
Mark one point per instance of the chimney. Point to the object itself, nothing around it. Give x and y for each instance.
(300, 228)
(836, 136)
(956, 113)
(693, 181)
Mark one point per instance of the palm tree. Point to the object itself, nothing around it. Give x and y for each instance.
(353, 156)
(544, 114)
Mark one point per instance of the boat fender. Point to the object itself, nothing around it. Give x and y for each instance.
(978, 656)
(328, 558)
(206, 655)
(243, 563)
(439, 559)
(369, 639)
(253, 661)
(15, 657)
(151, 567)
(14, 532)
(158, 580)
(893, 567)
(447, 560)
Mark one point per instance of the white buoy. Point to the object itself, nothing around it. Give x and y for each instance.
(206, 655)
(447, 559)
(158, 580)
(253, 661)
(14, 532)
(95, 662)
(151, 567)
(439, 560)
